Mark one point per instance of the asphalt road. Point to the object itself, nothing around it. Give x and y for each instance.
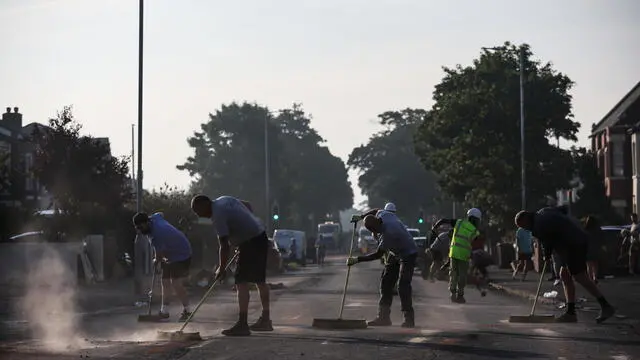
(476, 330)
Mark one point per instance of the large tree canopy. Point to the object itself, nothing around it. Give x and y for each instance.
(80, 173)
(391, 171)
(306, 180)
(471, 136)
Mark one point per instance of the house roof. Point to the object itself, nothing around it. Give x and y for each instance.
(614, 115)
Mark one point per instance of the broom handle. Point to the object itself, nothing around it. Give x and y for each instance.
(153, 284)
(346, 282)
(535, 300)
(206, 295)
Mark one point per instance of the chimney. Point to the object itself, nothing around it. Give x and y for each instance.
(12, 120)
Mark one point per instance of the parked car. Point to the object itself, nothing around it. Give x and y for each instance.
(366, 241)
(421, 243)
(414, 232)
(609, 252)
(284, 238)
(274, 260)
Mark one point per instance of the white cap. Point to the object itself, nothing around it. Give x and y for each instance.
(476, 213)
(390, 207)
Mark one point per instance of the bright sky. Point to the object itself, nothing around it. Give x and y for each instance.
(345, 60)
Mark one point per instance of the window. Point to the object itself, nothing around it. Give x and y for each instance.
(617, 159)
(29, 184)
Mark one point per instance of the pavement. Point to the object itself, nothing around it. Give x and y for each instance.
(475, 330)
(622, 292)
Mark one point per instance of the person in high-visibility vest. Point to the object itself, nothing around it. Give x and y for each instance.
(464, 232)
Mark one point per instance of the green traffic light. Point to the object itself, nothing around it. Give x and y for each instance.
(275, 217)
(420, 221)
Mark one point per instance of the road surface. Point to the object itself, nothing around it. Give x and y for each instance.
(476, 330)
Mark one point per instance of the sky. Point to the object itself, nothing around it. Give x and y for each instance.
(345, 60)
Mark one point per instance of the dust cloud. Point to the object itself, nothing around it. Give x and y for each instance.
(49, 303)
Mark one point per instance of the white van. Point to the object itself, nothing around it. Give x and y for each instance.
(284, 237)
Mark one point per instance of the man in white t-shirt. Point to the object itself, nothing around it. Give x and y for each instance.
(236, 225)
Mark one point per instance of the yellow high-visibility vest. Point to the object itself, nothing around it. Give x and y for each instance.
(463, 233)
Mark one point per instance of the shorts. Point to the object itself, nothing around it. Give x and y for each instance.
(252, 260)
(524, 256)
(436, 255)
(575, 259)
(176, 270)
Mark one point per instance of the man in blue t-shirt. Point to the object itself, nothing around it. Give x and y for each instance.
(172, 255)
(395, 239)
(524, 247)
(236, 225)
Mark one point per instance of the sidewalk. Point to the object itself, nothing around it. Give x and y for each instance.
(623, 293)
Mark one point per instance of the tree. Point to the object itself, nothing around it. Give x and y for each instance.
(471, 136)
(391, 171)
(173, 203)
(304, 177)
(88, 184)
(592, 196)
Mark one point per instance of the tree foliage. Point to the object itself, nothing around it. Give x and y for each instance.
(305, 178)
(391, 171)
(173, 203)
(592, 196)
(86, 182)
(471, 136)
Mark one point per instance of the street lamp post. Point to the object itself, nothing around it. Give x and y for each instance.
(141, 250)
(522, 162)
(267, 208)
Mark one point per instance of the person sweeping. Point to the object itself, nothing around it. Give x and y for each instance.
(236, 225)
(172, 254)
(396, 239)
(464, 232)
(560, 234)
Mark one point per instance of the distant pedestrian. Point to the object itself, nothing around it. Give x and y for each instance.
(596, 238)
(438, 250)
(172, 255)
(236, 225)
(567, 238)
(634, 244)
(464, 232)
(524, 247)
(395, 239)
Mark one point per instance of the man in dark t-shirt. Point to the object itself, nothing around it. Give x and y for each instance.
(559, 233)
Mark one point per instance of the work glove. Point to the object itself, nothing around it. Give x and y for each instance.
(220, 273)
(352, 261)
(355, 218)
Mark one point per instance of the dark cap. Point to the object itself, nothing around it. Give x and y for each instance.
(140, 218)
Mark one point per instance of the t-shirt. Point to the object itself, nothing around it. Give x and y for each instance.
(442, 242)
(557, 231)
(233, 219)
(523, 241)
(394, 236)
(167, 239)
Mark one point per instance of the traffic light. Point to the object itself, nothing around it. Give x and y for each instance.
(275, 212)
(421, 217)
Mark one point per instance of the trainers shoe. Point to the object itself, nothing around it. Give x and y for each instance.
(379, 322)
(557, 282)
(460, 299)
(605, 313)
(483, 293)
(163, 315)
(261, 325)
(239, 329)
(567, 318)
(184, 316)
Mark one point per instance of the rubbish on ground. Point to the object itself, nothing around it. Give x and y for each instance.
(140, 304)
(582, 300)
(550, 294)
(609, 277)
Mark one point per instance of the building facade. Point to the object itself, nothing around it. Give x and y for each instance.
(613, 141)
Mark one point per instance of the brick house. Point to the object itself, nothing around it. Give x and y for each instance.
(613, 140)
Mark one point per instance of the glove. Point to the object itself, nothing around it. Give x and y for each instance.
(352, 261)
(355, 218)
(220, 273)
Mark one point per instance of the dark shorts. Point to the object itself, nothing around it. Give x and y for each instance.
(252, 260)
(524, 256)
(176, 270)
(436, 255)
(574, 259)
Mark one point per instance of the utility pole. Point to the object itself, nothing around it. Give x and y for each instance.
(133, 147)
(267, 207)
(141, 250)
(522, 162)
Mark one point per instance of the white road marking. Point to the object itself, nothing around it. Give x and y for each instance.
(418, 340)
(428, 331)
(620, 357)
(546, 332)
(354, 304)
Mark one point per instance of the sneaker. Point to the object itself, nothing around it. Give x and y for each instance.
(239, 329)
(261, 325)
(460, 299)
(163, 315)
(605, 313)
(557, 282)
(567, 318)
(483, 293)
(184, 316)
(379, 321)
(453, 298)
